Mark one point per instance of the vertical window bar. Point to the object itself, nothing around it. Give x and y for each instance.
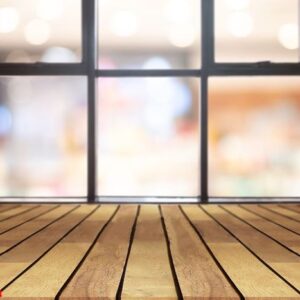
(298, 31)
(207, 56)
(89, 54)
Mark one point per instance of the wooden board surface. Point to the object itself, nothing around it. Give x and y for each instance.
(281, 210)
(282, 261)
(19, 258)
(148, 274)
(61, 261)
(17, 235)
(281, 235)
(149, 252)
(25, 217)
(13, 213)
(198, 274)
(253, 279)
(4, 207)
(292, 207)
(106, 260)
(272, 217)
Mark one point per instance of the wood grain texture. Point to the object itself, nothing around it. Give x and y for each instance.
(100, 274)
(199, 276)
(13, 222)
(286, 263)
(71, 252)
(11, 238)
(60, 262)
(273, 217)
(16, 260)
(5, 207)
(284, 212)
(280, 234)
(292, 207)
(13, 213)
(148, 274)
(253, 279)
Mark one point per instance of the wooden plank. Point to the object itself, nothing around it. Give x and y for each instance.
(57, 265)
(11, 238)
(273, 217)
(5, 207)
(27, 216)
(148, 274)
(284, 262)
(282, 235)
(283, 212)
(198, 275)
(105, 261)
(15, 212)
(292, 207)
(253, 279)
(15, 261)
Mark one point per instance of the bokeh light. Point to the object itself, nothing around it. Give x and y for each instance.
(9, 19)
(49, 9)
(37, 32)
(240, 24)
(124, 24)
(288, 36)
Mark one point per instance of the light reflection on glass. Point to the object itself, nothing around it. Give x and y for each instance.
(148, 137)
(132, 31)
(256, 30)
(29, 28)
(43, 136)
(254, 137)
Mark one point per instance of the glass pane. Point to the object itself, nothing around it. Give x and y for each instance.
(40, 31)
(148, 137)
(254, 136)
(137, 34)
(257, 30)
(43, 136)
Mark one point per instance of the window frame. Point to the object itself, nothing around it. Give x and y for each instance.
(88, 67)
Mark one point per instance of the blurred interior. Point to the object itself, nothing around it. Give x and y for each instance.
(148, 145)
(148, 129)
(254, 136)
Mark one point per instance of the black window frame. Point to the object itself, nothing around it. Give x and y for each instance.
(209, 68)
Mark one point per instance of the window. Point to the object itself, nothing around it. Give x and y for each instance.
(127, 98)
(148, 144)
(254, 136)
(43, 127)
(134, 34)
(257, 30)
(40, 31)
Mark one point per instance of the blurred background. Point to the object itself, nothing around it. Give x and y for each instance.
(149, 128)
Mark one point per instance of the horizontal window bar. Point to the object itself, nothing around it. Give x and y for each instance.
(255, 197)
(3, 198)
(42, 69)
(149, 73)
(148, 197)
(256, 69)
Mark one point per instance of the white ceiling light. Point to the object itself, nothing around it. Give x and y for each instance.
(238, 4)
(49, 9)
(288, 36)
(124, 24)
(240, 24)
(37, 32)
(182, 36)
(9, 19)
